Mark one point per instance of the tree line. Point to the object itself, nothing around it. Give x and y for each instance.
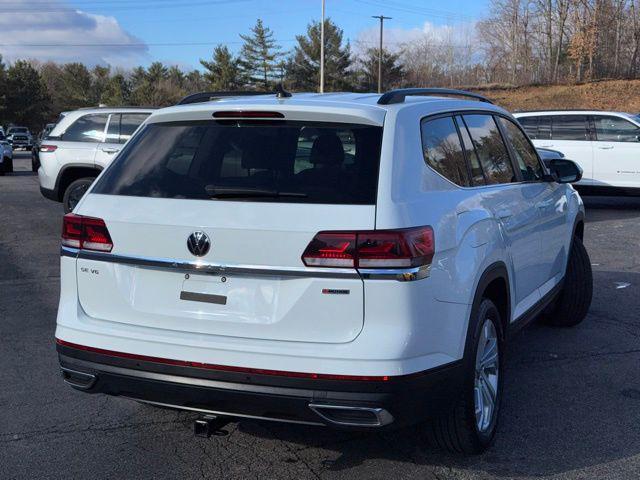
(520, 42)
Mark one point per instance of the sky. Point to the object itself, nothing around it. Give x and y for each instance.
(127, 33)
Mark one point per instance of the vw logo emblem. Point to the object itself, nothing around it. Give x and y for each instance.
(198, 243)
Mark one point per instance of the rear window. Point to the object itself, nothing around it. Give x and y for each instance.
(302, 162)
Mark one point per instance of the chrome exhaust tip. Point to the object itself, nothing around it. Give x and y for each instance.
(351, 416)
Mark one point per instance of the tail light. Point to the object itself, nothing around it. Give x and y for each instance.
(404, 248)
(86, 233)
(48, 148)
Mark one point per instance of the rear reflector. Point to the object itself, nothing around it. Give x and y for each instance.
(87, 233)
(403, 248)
(246, 114)
(226, 368)
(48, 148)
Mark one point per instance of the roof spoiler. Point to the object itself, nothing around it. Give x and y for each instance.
(399, 95)
(201, 97)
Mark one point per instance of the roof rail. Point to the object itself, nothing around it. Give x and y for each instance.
(200, 97)
(398, 96)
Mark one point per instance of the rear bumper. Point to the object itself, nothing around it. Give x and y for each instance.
(340, 403)
(51, 194)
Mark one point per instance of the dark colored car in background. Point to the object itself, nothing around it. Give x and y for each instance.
(35, 158)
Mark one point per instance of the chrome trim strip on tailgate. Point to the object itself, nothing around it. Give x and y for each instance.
(400, 275)
(208, 268)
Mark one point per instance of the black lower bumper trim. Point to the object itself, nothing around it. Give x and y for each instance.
(49, 193)
(407, 401)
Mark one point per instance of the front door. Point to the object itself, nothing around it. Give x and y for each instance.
(616, 152)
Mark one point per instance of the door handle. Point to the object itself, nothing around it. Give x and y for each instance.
(546, 145)
(606, 147)
(110, 150)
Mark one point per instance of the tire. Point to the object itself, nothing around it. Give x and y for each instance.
(574, 300)
(9, 163)
(460, 430)
(74, 192)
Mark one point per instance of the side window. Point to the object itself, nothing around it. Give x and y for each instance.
(129, 124)
(616, 129)
(569, 127)
(490, 148)
(89, 128)
(526, 156)
(442, 149)
(113, 130)
(472, 157)
(530, 125)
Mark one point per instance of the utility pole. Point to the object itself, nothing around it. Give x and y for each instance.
(382, 19)
(322, 51)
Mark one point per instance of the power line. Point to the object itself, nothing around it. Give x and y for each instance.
(159, 44)
(128, 7)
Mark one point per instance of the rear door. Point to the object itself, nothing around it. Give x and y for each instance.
(616, 152)
(570, 135)
(514, 207)
(78, 143)
(259, 191)
(120, 128)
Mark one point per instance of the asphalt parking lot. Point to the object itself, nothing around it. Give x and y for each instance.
(571, 408)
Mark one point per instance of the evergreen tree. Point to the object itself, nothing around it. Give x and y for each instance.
(259, 57)
(27, 100)
(76, 86)
(367, 71)
(223, 71)
(99, 79)
(303, 68)
(117, 91)
(3, 94)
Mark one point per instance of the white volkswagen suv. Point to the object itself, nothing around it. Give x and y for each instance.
(79, 146)
(351, 260)
(605, 144)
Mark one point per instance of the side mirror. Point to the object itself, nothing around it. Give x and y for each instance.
(563, 170)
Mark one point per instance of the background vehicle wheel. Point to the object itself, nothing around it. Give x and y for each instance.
(9, 163)
(574, 300)
(471, 425)
(74, 192)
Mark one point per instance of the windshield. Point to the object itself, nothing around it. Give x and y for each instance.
(250, 161)
(18, 130)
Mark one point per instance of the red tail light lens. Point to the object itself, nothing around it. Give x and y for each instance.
(48, 148)
(404, 248)
(87, 233)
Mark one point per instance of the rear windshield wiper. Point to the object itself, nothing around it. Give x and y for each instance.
(215, 191)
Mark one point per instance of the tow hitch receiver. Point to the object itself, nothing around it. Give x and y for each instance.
(209, 425)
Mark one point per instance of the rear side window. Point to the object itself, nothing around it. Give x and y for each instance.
(302, 162)
(89, 128)
(526, 156)
(129, 123)
(122, 126)
(569, 127)
(472, 157)
(443, 151)
(616, 129)
(530, 125)
(490, 148)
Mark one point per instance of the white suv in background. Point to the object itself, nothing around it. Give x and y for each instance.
(605, 144)
(81, 144)
(350, 260)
